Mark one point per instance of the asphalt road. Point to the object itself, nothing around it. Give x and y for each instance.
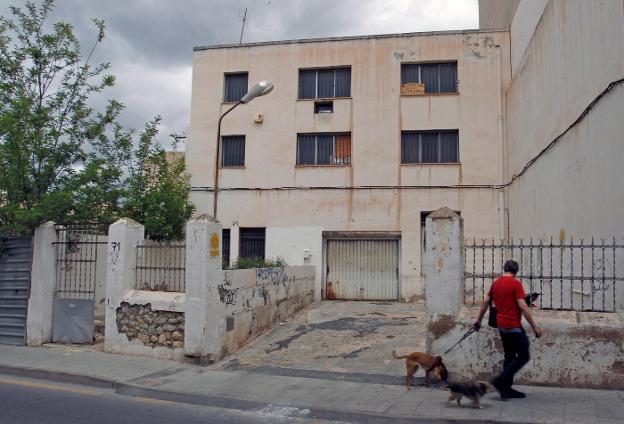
(26, 401)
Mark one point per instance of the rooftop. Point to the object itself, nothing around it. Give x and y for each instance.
(348, 38)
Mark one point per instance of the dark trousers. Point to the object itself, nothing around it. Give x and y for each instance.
(516, 346)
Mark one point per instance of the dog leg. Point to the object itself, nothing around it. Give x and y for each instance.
(478, 404)
(410, 373)
(426, 378)
(459, 400)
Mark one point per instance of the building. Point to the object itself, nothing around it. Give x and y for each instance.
(362, 137)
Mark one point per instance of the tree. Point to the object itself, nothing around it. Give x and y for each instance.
(60, 159)
(158, 189)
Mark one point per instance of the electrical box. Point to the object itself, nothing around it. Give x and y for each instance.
(259, 118)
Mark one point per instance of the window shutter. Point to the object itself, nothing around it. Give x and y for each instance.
(307, 84)
(448, 77)
(343, 82)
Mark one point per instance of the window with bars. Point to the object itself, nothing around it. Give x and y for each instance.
(235, 87)
(324, 149)
(437, 77)
(325, 83)
(430, 146)
(225, 248)
(252, 243)
(232, 150)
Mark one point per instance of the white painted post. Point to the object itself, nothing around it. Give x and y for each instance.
(444, 263)
(43, 280)
(234, 244)
(204, 332)
(123, 238)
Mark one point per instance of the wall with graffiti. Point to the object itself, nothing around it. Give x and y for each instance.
(255, 299)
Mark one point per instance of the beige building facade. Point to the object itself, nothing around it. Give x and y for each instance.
(370, 197)
(362, 137)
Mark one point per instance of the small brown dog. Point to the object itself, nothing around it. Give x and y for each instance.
(473, 390)
(427, 362)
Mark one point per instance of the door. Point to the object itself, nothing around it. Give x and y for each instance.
(360, 269)
(15, 264)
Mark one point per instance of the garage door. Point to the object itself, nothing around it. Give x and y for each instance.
(362, 270)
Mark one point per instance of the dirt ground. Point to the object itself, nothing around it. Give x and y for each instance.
(347, 340)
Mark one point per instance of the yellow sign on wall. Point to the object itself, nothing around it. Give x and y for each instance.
(214, 245)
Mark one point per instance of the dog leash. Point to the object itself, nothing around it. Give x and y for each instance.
(464, 337)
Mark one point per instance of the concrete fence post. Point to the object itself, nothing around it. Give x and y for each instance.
(444, 263)
(43, 280)
(204, 332)
(123, 238)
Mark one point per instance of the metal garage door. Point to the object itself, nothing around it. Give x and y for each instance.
(362, 270)
(15, 263)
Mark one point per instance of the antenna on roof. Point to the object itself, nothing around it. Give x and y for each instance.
(244, 17)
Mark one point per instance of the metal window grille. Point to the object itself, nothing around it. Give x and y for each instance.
(160, 266)
(233, 150)
(437, 77)
(225, 248)
(441, 146)
(575, 275)
(324, 149)
(325, 83)
(77, 248)
(252, 241)
(235, 86)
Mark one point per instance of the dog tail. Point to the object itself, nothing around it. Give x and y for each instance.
(395, 356)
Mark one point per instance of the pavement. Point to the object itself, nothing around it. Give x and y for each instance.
(331, 362)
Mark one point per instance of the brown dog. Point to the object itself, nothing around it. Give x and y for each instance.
(427, 362)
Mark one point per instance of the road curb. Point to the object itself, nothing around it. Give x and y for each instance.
(232, 403)
(58, 376)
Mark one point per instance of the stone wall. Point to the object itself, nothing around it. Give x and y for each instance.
(578, 349)
(151, 327)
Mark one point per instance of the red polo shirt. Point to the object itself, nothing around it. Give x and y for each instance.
(505, 294)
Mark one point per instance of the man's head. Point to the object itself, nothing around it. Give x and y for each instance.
(511, 267)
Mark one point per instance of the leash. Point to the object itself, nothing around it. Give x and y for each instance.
(464, 337)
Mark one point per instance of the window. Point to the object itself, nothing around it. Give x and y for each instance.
(437, 77)
(324, 149)
(325, 83)
(225, 248)
(323, 107)
(430, 146)
(232, 150)
(252, 243)
(235, 87)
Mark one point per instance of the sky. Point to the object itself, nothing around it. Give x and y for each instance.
(149, 43)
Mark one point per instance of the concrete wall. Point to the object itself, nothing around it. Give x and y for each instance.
(375, 114)
(496, 14)
(572, 55)
(256, 299)
(298, 246)
(578, 349)
(526, 17)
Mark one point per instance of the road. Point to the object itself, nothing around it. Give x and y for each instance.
(27, 401)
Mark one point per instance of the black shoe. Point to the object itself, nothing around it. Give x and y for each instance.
(513, 394)
(498, 386)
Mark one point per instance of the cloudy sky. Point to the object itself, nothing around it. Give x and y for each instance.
(150, 43)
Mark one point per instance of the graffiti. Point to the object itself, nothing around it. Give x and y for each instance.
(271, 276)
(114, 255)
(226, 295)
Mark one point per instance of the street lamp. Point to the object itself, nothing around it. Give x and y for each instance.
(260, 89)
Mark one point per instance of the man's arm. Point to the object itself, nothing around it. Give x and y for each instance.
(526, 313)
(484, 306)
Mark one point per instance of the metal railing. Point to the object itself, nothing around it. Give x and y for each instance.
(574, 275)
(161, 266)
(77, 259)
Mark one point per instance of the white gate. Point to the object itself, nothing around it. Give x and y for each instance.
(362, 269)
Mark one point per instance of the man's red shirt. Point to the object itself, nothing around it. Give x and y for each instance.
(505, 293)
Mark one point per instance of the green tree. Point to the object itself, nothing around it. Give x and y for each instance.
(60, 159)
(158, 189)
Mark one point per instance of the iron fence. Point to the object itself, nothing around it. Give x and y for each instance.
(574, 275)
(161, 266)
(77, 259)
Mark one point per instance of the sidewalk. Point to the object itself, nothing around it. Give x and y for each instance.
(319, 395)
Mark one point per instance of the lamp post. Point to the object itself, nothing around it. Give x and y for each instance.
(260, 89)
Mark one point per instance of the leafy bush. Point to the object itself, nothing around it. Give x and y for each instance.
(247, 263)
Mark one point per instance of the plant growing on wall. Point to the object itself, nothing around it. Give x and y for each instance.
(246, 263)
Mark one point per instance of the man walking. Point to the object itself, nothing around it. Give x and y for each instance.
(508, 296)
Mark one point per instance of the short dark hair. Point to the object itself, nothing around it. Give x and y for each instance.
(511, 266)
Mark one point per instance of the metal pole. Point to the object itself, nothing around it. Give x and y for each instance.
(216, 177)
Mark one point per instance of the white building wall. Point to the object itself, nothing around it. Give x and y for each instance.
(527, 16)
(576, 50)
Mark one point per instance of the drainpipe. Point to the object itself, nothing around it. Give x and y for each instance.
(500, 130)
